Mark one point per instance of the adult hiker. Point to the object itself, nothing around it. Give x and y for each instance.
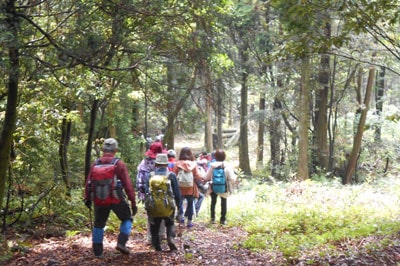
(187, 174)
(162, 198)
(222, 179)
(107, 179)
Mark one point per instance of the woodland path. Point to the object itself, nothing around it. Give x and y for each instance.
(205, 244)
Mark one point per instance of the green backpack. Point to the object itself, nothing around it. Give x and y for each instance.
(159, 201)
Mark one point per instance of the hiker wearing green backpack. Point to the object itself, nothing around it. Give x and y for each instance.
(187, 175)
(162, 198)
(222, 178)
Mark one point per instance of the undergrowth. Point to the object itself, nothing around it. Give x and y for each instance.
(290, 218)
(294, 218)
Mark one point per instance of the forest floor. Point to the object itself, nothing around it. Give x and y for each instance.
(204, 244)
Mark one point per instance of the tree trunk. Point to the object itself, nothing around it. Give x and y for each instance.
(208, 131)
(321, 107)
(261, 129)
(275, 135)
(219, 105)
(351, 166)
(379, 93)
(302, 162)
(6, 138)
(176, 106)
(92, 125)
(208, 137)
(63, 150)
(244, 162)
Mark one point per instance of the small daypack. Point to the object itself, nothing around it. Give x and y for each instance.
(104, 185)
(185, 179)
(160, 200)
(219, 180)
(143, 176)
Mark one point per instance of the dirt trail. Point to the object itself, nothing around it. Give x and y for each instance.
(205, 244)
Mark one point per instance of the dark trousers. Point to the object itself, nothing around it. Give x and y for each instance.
(214, 197)
(101, 214)
(155, 230)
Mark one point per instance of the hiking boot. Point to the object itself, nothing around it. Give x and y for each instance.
(157, 248)
(98, 250)
(222, 222)
(171, 244)
(190, 224)
(122, 239)
(213, 221)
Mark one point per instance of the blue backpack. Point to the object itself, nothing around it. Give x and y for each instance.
(219, 180)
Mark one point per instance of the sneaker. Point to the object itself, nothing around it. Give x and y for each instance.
(223, 222)
(190, 225)
(212, 221)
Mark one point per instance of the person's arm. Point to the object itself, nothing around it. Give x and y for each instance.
(87, 195)
(197, 175)
(175, 189)
(208, 175)
(230, 173)
(123, 175)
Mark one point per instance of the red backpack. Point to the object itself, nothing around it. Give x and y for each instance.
(105, 187)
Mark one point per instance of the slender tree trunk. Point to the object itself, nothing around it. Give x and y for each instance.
(351, 166)
(379, 93)
(208, 137)
(321, 106)
(244, 162)
(170, 131)
(63, 151)
(219, 105)
(275, 133)
(8, 128)
(92, 126)
(261, 130)
(302, 162)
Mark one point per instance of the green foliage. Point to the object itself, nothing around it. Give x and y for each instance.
(294, 218)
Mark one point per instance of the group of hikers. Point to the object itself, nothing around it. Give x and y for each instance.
(171, 189)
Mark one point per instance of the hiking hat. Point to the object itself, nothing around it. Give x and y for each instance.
(171, 153)
(110, 144)
(154, 149)
(161, 158)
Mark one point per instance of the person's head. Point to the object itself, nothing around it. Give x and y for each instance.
(186, 154)
(154, 149)
(171, 154)
(161, 160)
(219, 155)
(110, 145)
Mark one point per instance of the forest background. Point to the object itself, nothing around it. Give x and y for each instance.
(310, 89)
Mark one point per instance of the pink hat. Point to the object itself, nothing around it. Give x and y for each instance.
(154, 149)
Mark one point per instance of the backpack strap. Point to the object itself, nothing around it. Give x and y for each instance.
(115, 160)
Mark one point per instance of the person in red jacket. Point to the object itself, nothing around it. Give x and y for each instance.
(122, 209)
(186, 162)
